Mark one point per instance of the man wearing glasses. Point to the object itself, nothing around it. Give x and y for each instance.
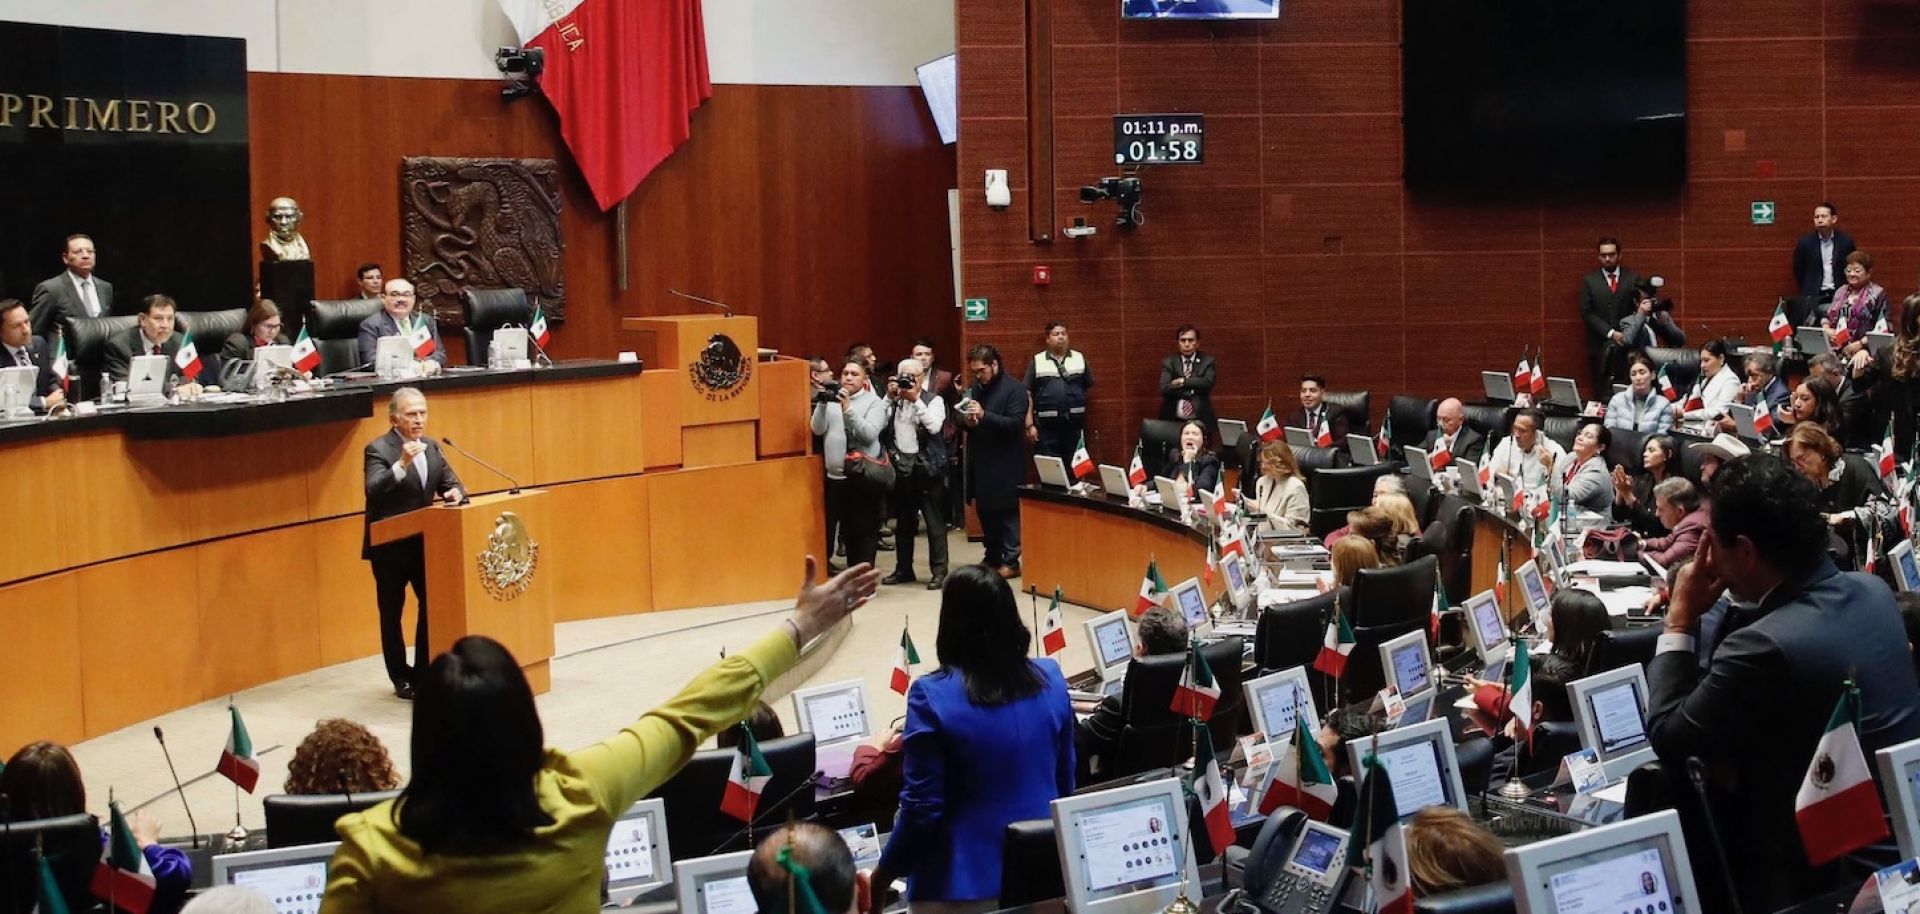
(1186, 382)
(397, 317)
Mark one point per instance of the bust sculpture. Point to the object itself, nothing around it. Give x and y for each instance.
(283, 241)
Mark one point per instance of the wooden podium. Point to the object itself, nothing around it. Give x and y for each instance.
(716, 361)
(484, 574)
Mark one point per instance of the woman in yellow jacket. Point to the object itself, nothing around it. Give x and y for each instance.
(491, 821)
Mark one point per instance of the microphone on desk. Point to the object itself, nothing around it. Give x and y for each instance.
(723, 306)
(182, 791)
(809, 782)
(513, 485)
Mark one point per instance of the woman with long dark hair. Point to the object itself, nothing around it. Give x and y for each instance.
(1633, 492)
(492, 821)
(1574, 623)
(989, 741)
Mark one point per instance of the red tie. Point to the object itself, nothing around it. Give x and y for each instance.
(1613, 282)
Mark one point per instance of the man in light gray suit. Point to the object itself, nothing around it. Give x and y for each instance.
(76, 291)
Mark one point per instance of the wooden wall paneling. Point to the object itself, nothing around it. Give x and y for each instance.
(765, 540)
(336, 465)
(343, 599)
(785, 411)
(660, 417)
(267, 629)
(601, 563)
(42, 657)
(585, 429)
(1039, 35)
(61, 529)
(130, 502)
(493, 423)
(240, 483)
(717, 445)
(141, 654)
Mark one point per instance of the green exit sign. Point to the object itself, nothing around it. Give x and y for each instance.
(1763, 212)
(976, 310)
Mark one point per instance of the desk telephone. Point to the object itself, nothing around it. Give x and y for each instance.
(1296, 865)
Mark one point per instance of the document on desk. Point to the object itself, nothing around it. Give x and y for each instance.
(1600, 568)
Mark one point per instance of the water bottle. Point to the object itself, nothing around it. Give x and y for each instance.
(106, 389)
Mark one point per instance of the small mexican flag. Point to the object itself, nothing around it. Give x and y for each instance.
(1383, 442)
(1053, 636)
(1153, 590)
(1300, 779)
(1838, 808)
(1887, 461)
(748, 777)
(1211, 790)
(1322, 434)
(48, 898)
(1332, 659)
(903, 662)
(188, 358)
(1268, 428)
(236, 761)
(1521, 701)
(1136, 468)
(1666, 386)
(1440, 608)
(1441, 456)
(1538, 383)
(538, 329)
(1522, 374)
(306, 355)
(1198, 691)
(1779, 327)
(1083, 465)
(1695, 399)
(1379, 843)
(62, 368)
(1842, 335)
(123, 879)
(420, 337)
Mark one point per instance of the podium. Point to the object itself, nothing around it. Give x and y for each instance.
(484, 574)
(716, 359)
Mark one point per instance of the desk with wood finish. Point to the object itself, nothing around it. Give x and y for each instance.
(1096, 548)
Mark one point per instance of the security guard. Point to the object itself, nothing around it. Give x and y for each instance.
(1058, 381)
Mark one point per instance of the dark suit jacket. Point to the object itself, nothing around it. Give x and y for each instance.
(1757, 712)
(122, 347)
(1602, 309)
(997, 447)
(1468, 445)
(45, 383)
(1198, 388)
(239, 347)
(1336, 423)
(55, 298)
(387, 496)
(381, 324)
(1806, 260)
(1856, 431)
(1206, 472)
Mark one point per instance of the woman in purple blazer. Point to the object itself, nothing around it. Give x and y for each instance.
(989, 741)
(1680, 507)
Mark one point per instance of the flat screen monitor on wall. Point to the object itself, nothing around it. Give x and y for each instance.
(940, 82)
(1551, 96)
(1200, 9)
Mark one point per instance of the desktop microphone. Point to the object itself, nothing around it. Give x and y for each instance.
(705, 301)
(346, 788)
(513, 486)
(809, 782)
(182, 791)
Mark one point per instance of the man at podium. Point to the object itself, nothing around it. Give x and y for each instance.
(405, 472)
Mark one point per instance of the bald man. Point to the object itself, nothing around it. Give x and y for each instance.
(1462, 441)
(405, 471)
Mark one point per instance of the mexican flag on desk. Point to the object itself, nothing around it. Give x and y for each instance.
(1779, 327)
(1332, 659)
(1083, 465)
(1136, 468)
(903, 663)
(123, 878)
(538, 329)
(188, 358)
(1198, 691)
(747, 779)
(1838, 808)
(1268, 428)
(62, 368)
(1053, 636)
(1299, 778)
(420, 337)
(236, 761)
(306, 355)
(1521, 701)
(1153, 590)
(1378, 846)
(1211, 790)
(1666, 386)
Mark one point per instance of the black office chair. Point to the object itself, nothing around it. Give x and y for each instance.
(1491, 420)
(1030, 864)
(1421, 493)
(335, 331)
(1682, 365)
(1312, 460)
(1492, 898)
(1562, 429)
(1288, 635)
(87, 348)
(1624, 451)
(1152, 735)
(1230, 719)
(1413, 419)
(209, 331)
(1159, 441)
(1364, 677)
(1332, 493)
(1456, 558)
(1621, 647)
(1553, 741)
(71, 845)
(1357, 406)
(692, 794)
(1391, 595)
(296, 819)
(1856, 465)
(488, 310)
(1476, 763)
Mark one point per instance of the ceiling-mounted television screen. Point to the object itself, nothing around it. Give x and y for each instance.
(1521, 94)
(1200, 9)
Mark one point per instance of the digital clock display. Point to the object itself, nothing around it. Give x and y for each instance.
(1158, 139)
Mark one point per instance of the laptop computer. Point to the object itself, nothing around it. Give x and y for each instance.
(268, 361)
(1743, 421)
(1812, 340)
(1419, 464)
(1053, 470)
(1114, 481)
(1564, 391)
(1360, 447)
(16, 390)
(147, 378)
(1299, 437)
(1498, 386)
(1169, 493)
(1231, 431)
(1880, 344)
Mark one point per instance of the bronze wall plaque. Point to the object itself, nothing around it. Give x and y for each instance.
(482, 224)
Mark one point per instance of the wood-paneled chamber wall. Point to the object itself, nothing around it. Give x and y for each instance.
(1296, 246)
(821, 209)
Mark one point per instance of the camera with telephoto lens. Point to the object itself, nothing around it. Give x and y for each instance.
(829, 392)
(904, 382)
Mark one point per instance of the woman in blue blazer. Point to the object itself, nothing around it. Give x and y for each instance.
(989, 741)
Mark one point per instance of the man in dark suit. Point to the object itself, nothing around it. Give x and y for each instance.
(995, 417)
(1607, 295)
(1820, 256)
(1314, 408)
(1186, 381)
(1161, 630)
(1462, 441)
(396, 315)
(405, 471)
(20, 349)
(1856, 430)
(74, 292)
(1794, 631)
(154, 335)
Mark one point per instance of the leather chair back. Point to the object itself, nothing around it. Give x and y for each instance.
(1357, 405)
(1030, 864)
(1346, 488)
(335, 331)
(71, 845)
(296, 819)
(1562, 429)
(1490, 420)
(1364, 677)
(693, 830)
(1152, 735)
(1625, 450)
(1289, 634)
(209, 330)
(488, 310)
(1621, 647)
(1856, 465)
(1683, 365)
(1159, 441)
(1553, 740)
(1476, 763)
(1492, 898)
(1424, 499)
(1388, 596)
(1456, 560)
(1413, 419)
(1315, 459)
(87, 347)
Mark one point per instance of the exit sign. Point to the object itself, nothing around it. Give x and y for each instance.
(976, 310)
(1763, 212)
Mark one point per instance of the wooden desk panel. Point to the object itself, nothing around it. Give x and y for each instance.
(660, 420)
(493, 423)
(240, 484)
(716, 445)
(1490, 531)
(586, 429)
(784, 411)
(347, 621)
(260, 630)
(1097, 553)
(126, 505)
(598, 566)
(142, 652)
(43, 477)
(41, 654)
(336, 468)
(734, 534)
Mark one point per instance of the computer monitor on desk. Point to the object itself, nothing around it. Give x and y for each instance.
(392, 357)
(1361, 449)
(1408, 664)
(1420, 762)
(1278, 699)
(1900, 775)
(1191, 602)
(1486, 629)
(1533, 593)
(1231, 431)
(713, 885)
(1905, 571)
(270, 362)
(1563, 392)
(1052, 470)
(1114, 481)
(1611, 710)
(293, 878)
(1233, 570)
(147, 378)
(1170, 494)
(1498, 386)
(637, 857)
(1640, 864)
(838, 717)
(1125, 849)
(1109, 641)
(16, 391)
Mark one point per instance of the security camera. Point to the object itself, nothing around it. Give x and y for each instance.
(521, 68)
(1123, 191)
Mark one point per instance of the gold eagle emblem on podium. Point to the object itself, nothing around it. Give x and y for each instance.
(510, 559)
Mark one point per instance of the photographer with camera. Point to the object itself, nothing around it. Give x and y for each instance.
(1651, 324)
(849, 418)
(915, 416)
